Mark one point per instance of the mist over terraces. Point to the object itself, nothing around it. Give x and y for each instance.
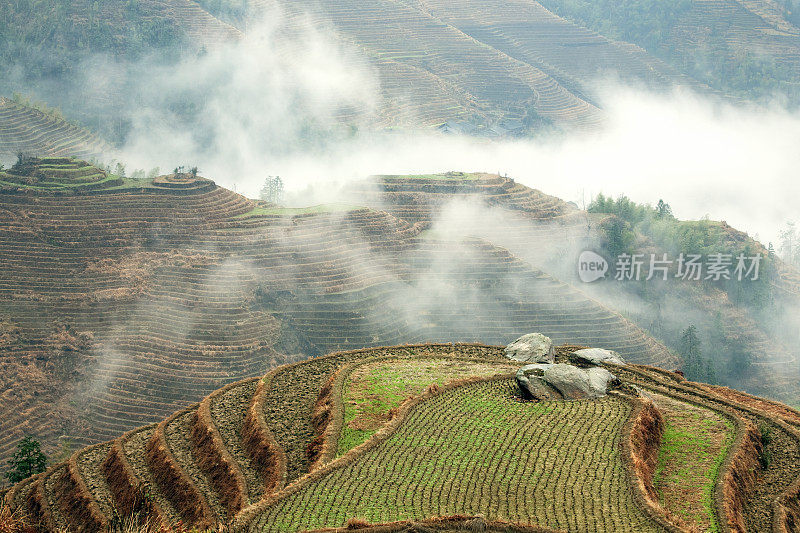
(125, 299)
(340, 354)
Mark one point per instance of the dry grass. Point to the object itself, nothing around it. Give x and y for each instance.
(127, 490)
(177, 486)
(14, 520)
(646, 435)
(257, 440)
(321, 417)
(741, 477)
(212, 458)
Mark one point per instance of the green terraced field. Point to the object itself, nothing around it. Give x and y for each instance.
(694, 445)
(246, 456)
(373, 389)
(478, 450)
(292, 211)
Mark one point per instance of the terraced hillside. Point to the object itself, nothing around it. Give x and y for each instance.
(727, 30)
(124, 300)
(743, 47)
(201, 28)
(260, 454)
(481, 62)
(548, 234)
(26, 129)
(495, 69)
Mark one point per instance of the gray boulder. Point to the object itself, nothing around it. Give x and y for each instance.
(572, 383)
(601, 380)
(533, 387)
(532, 348)
(596, 356)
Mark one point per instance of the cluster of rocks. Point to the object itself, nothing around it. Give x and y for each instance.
(581, 377)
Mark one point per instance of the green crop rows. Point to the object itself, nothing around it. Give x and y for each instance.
(291, 211)
(477, 450)
(694, 445)
(373, 389)
(454, 176)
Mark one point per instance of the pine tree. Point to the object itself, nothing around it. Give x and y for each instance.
(272, 191)
(27, 460)
(691, 353)
(663, 210)
(790, 251)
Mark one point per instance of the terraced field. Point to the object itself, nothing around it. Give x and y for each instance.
(476, 450)
(125, 300)
(466, 445)
(202, 29)
(25, 129)
(472, 62)
(694, 445)
(438, 61)
(371, 391)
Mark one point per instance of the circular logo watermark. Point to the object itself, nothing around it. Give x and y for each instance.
(591, 266)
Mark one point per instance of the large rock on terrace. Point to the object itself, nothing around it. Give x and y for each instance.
(596, 356)
(533, 387)
(532, 348)
(538, 381)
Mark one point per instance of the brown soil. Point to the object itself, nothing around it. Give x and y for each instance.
(178, 435)
(229, 410)
(90, 464)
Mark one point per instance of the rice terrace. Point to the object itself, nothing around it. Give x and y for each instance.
(399, 266)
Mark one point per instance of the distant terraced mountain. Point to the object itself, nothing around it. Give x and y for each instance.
(473, 63)
(26, 129)
(480, 62)
(744, 47)
(495, 69)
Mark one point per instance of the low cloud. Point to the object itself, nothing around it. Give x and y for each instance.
(303, 104)
(704, 157)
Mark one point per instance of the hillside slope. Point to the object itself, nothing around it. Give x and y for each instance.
(28, 130)
(495, 61)
(549, 234)
(249, 453)
(494, 69)
(746, 48)
(123, 300)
